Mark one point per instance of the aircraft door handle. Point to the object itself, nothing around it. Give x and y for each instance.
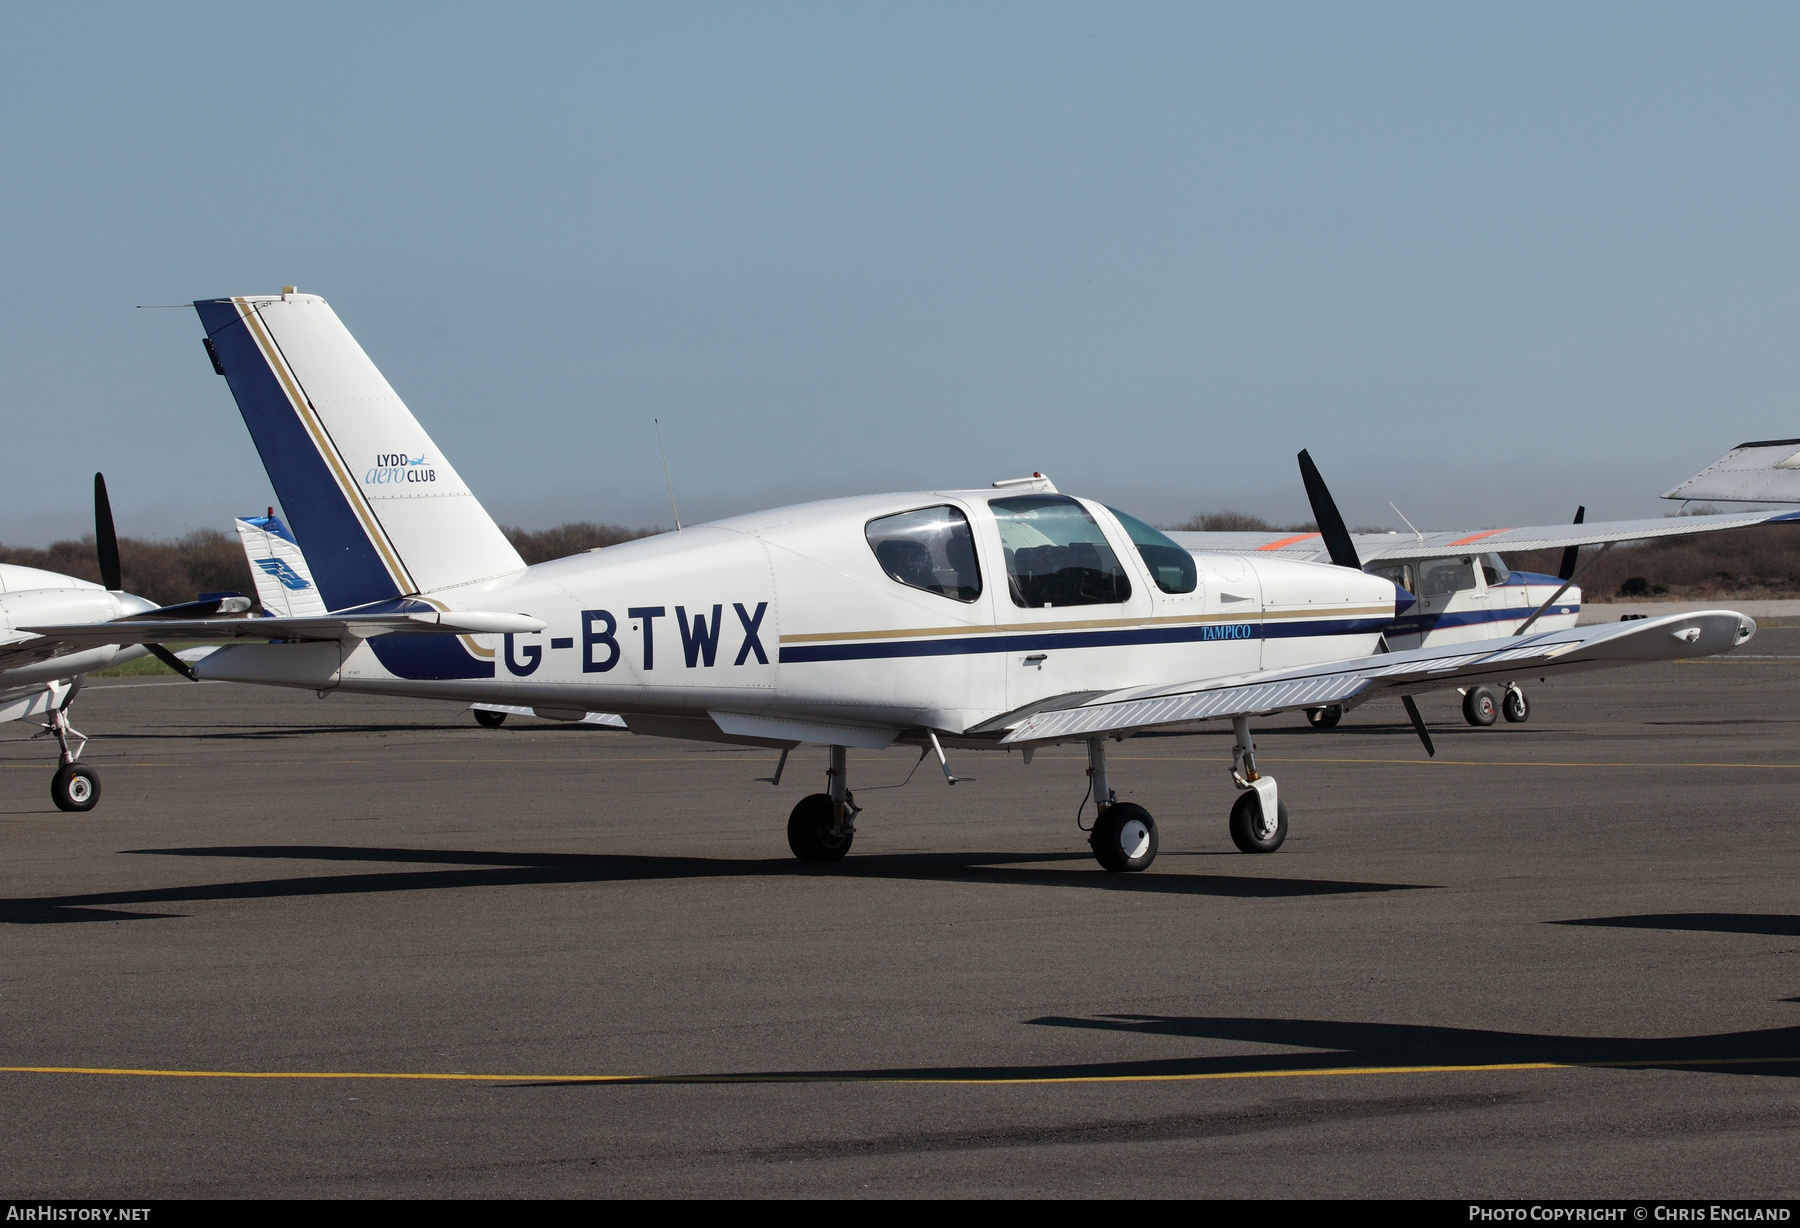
(1037, 659)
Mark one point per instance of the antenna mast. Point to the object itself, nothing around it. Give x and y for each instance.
(671, 481)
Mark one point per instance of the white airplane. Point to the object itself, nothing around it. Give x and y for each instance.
(40, 677)
(1466, 591)
(1007, 618)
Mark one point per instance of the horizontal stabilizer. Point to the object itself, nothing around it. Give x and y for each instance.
(349, 624)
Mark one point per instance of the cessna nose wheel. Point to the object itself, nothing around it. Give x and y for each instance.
(76, 786)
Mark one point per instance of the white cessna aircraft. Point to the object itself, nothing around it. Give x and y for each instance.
(40, 676)
(1015, 617)
(1465, 589)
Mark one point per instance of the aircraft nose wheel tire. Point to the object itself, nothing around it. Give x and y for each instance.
(1250, 831)
(1515, 707)
(489, 720)
(1325, 718)
(810, 832)
(75, 787)
(1124, 838)
(1481, 707)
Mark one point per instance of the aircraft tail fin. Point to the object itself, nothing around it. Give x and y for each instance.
(284, 583)
(379, 510)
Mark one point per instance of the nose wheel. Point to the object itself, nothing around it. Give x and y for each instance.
(75, 787)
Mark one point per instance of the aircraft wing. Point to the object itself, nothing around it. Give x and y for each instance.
(349, 624)
(1764, 471)
(1601, 646)
(1373, 546)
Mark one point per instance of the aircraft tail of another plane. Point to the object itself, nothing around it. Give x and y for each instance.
(380, 511)
(284, 583)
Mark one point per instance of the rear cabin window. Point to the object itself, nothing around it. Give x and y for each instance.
(931, 549)
(1170, 566)
(1056, 555)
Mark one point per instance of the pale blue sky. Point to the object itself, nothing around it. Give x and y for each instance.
(1487, 262)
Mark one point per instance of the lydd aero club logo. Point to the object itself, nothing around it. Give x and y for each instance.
(391, 467)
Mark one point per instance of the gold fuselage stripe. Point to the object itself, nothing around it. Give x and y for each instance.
(327, 448)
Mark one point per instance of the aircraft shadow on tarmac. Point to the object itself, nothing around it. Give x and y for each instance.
(493, 869)
(1776, 924)
(1340, 1045)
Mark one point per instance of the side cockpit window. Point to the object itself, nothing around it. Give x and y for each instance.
(931, 549)
(1056, 555)
(1441, 577)
(1170, 566)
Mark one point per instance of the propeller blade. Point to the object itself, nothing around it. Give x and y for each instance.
(1412, 710)
(1568, 564)
(1325, 515)
(106, 542)
(173, 662)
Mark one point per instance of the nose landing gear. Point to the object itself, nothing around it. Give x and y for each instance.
(1259, 820)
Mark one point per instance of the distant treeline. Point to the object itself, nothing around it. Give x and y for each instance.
(1741, 562)
(566, 539)
(208, 561)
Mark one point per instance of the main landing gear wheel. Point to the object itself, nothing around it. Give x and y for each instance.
(1253, 833)
(489, 720)
(76, 786)
(1514, 706)
(1325, 718)
(813, 831)
(1124, 838)
(1481, 707)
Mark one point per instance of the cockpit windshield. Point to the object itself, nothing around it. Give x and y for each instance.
(1055, 554)
(1170, 566)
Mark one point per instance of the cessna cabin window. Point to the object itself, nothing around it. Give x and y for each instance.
(1170, 566)
(1056, 554)
(931, 549)
(1494, 570)
(1440, 577)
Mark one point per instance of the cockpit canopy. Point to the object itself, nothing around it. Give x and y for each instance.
(1056, 553)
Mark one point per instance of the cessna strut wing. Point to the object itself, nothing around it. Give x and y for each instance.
(1762, 471)
(1386, 546)
(1008, 617)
